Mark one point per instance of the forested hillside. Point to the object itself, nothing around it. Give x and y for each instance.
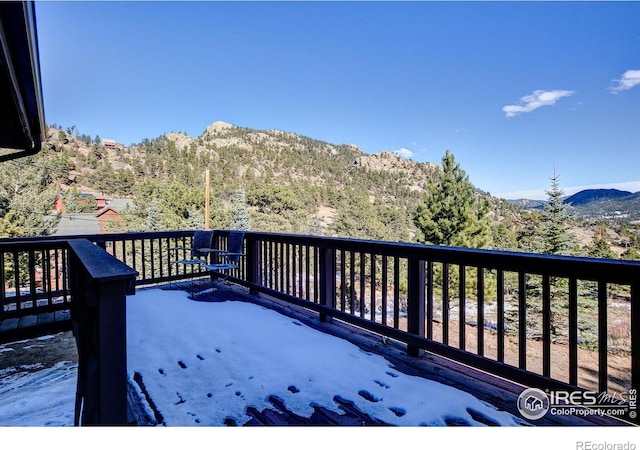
(281, 181)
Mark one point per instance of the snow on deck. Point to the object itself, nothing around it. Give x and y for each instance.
(205, 363)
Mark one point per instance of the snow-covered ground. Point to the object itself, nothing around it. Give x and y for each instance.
(203, 363)
(36, 391)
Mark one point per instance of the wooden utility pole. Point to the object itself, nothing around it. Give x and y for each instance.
(207, 220)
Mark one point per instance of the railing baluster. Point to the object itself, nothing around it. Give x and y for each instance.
(445, 303)
(281, 261)
(3, 293)
(352, 287)
(500, 309)
(546, 325)
(429, 324)
(480, 313)
(363, 263)
(301, 274)
(573, 330)
(308, 277)
(133, 255)
(522, 320)
(266, 263)
(65, 275)
(415, 308)
(462, 305)
(288, 270)
(343, 281)
(16, 279)
(383, 306)
(316, 288)
(46, 276)
(372, 288)
(396, 292)
(56, 258)
(272, 265)
(160, 257)
(152, 258)
(603, 377)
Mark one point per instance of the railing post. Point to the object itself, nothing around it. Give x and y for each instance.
(99, 286)
(415, 307)
(327, 280)
(253, 263)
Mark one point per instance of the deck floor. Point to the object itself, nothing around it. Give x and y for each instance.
(494, 390)
(34, 325)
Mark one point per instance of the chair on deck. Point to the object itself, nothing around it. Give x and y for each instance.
(198, 255)
(229, 257)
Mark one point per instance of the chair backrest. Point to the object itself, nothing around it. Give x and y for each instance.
(234, 245)
(201, 239)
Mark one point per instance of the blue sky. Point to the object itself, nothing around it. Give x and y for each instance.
(513, 89)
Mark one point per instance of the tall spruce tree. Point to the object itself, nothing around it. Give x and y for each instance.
(452, 213)
(557, 239)
(240, 214)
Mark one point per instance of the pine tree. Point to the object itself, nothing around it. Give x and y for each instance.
(240, 214)
(555, 227)
(154, 219)
(451, 212)
(599, 247)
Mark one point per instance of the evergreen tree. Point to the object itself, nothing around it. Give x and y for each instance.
(240, 214)
(451, 212)
(631, 254)
(27, 195)
(154, 219)
(195, 221)
(556, 237)
(315, 227)
(599, 247)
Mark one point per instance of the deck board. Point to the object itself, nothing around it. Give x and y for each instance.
(33, 325)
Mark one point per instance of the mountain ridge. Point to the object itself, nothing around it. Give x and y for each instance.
(602, 204)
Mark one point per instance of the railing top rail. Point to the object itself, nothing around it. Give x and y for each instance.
(100, 265)
(615, 271)
(32, 243)
(100, 237)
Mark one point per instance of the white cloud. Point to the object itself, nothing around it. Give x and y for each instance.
(536, 100)
(405, 153)
(629, 79)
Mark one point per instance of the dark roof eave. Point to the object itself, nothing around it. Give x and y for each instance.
(22, 125)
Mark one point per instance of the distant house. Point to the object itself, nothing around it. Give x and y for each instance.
(106, 215)
(60, 207)
(111, 144)
(95, 222)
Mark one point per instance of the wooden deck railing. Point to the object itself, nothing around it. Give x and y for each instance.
(34, 277)
(553, 322)
(44, 275)
(545, 321)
